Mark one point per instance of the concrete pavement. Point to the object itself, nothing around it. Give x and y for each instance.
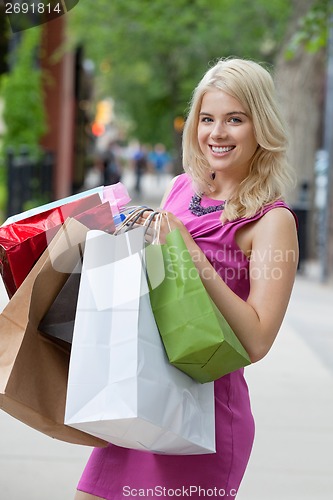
(292, 400)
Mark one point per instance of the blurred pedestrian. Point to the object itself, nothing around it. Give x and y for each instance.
(140, 166)
(112, 171)
(160, 160)
(229, 209)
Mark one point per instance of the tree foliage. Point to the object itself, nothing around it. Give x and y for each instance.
(21, 90)
(313, 29)
(149, 55)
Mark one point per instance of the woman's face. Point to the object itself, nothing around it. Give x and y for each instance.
(225, 133)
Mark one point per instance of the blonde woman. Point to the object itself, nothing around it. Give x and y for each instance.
(229, 206)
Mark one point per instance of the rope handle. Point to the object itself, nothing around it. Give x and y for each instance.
(157, 217)
(131, 219)
(154, 219)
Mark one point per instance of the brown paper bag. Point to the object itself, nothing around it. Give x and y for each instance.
(33, 369)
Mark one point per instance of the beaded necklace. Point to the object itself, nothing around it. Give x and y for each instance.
(196, 208)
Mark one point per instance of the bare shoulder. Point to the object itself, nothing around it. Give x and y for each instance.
(277, 227)
(276, 231)
(277, 224)
(278, 217)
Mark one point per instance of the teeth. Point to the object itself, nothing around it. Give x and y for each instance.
(216, 149)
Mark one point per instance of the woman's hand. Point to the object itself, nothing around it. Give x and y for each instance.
(160, 224)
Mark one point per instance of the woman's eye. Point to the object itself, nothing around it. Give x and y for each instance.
(235, 119)
(206, 119)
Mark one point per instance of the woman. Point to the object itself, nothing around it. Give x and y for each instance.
(242, 237)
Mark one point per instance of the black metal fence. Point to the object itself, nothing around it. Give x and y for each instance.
(29, 180)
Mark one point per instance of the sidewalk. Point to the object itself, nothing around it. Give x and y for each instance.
(292, 400)
(153, 188)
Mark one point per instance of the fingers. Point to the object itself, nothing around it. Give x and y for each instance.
(157, 225)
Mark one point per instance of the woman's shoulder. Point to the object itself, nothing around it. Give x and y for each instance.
(278, 221)
(177, 183)
(181, 179)
(276, 217)
(279, 211)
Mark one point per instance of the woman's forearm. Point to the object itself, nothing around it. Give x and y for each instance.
(255, 329)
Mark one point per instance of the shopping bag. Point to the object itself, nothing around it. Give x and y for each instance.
(58, 322)
(23, 242)
(98, 217)
(116, 194)
(121, 386)
(197, 338)
(27, 234)
(33, 370)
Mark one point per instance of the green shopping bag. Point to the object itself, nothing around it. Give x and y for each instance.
(197, 338)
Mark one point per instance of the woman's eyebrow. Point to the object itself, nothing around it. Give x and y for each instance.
(227, 114)
(236, 113)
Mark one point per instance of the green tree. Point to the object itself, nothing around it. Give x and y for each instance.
(150, 54)
(21, 90)
(311, 29)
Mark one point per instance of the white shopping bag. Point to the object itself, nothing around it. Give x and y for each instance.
(121, 386)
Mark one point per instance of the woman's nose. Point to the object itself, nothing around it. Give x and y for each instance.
(219, 131)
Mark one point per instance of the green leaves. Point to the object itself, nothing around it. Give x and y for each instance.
(157, 51)
(21, 90)
(312, 33)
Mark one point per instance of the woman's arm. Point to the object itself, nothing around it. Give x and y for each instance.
(273, 265)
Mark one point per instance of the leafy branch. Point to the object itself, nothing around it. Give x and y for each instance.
(313, 29)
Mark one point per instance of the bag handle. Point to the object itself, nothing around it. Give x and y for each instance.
(131, 219)
(156, 218)
(157, 224)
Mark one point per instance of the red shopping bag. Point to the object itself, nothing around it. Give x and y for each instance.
(99, 217)
(23, 242)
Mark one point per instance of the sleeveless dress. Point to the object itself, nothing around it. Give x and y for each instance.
(115, 473)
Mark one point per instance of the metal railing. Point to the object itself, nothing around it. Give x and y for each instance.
(29, 180)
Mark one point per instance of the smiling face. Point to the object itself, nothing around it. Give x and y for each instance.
(225, 133)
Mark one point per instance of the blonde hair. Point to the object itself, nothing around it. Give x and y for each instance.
(270, 173)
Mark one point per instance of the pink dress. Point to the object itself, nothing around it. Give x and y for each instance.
(115, 473)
